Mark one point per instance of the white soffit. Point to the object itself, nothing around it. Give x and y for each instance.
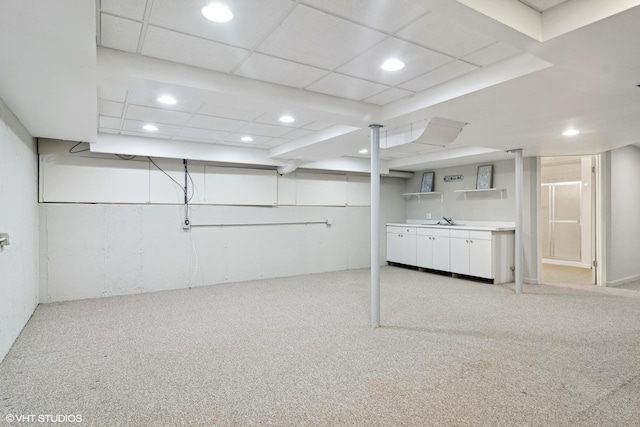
(51, 90)
(553, 22)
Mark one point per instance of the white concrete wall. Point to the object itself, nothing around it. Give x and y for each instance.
(623, 224)
(95, 250)
(485, 206)
(19, 217)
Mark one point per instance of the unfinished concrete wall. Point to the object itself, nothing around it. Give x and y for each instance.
(19, 217)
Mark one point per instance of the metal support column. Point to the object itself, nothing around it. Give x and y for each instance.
(375, 225)
(519, 250)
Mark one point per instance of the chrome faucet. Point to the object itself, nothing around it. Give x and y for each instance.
(449, 220)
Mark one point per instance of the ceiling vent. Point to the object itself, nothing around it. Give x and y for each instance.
(436, 132)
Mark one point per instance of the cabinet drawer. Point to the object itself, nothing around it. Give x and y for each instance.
(461, 234)
(401, 230)
(480, 235)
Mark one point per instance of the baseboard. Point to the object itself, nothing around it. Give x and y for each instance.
(625, 280)
(530, 281)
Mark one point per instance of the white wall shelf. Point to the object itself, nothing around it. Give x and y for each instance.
(428, 194)
(481, 190)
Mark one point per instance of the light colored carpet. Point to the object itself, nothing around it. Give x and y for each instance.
(298, 351)
(634, 286)
(552, 273)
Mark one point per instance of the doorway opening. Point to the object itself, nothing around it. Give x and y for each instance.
(568, 209)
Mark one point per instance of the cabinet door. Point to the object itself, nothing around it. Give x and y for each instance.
(480, 261)
(441, 253)
(459, 260)
(424, 251)
(394, 247)
(408, 242)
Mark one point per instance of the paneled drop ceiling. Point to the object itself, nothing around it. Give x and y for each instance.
(518, 74)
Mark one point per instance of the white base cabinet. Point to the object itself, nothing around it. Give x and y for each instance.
(401, 245)
(478, 253)
(432, 248)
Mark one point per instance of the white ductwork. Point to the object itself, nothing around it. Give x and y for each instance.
(437, 132)
(288, 168)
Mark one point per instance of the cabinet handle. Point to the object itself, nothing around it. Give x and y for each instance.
(470, 241)
(467, 241)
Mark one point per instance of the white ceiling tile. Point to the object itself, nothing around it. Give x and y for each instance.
(149, 98)
(215, 123)
(264, 130)
(448, 72)
(107, 130)
(119, 33)
(297, 133)
(281, 71)
(109, 122)
(418, 60)
(388, 96)
(204, 134)
(146, 134)
(110, 108)
(236, 144)
(181, 48)
(346, 87)
(273, 118)
(435, 32)
(494, 53)
(227, 110)
(388, 16)
(312, 37)
(132, 9)
(113, 94)
(156, 115)
(317, 125)
(257, 139)
(274, 142)
(136, 126)
(252, 19)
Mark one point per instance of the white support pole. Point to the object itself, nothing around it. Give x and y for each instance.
(375, 226)
(519, 255)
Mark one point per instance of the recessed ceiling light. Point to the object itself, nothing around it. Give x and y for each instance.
(246, 139)
(571, 132)
(287, 119)
(167, 99)
(150, 127)
(392, 64)
(217, 12)
(364, 151)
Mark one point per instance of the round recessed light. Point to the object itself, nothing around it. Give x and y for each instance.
(246, 139)
(217, 12)
(287, 119)
(152, 128)
(392, 64)
(364, 151)
(571, 132)
(167, 99)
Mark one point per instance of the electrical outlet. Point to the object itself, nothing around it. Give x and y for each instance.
(428, 215)
(186, 224)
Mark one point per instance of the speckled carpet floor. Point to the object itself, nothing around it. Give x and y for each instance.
(298, 351)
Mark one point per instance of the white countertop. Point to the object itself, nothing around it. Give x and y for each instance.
(457, 227)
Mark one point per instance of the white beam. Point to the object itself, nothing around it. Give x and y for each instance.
(154, 147)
